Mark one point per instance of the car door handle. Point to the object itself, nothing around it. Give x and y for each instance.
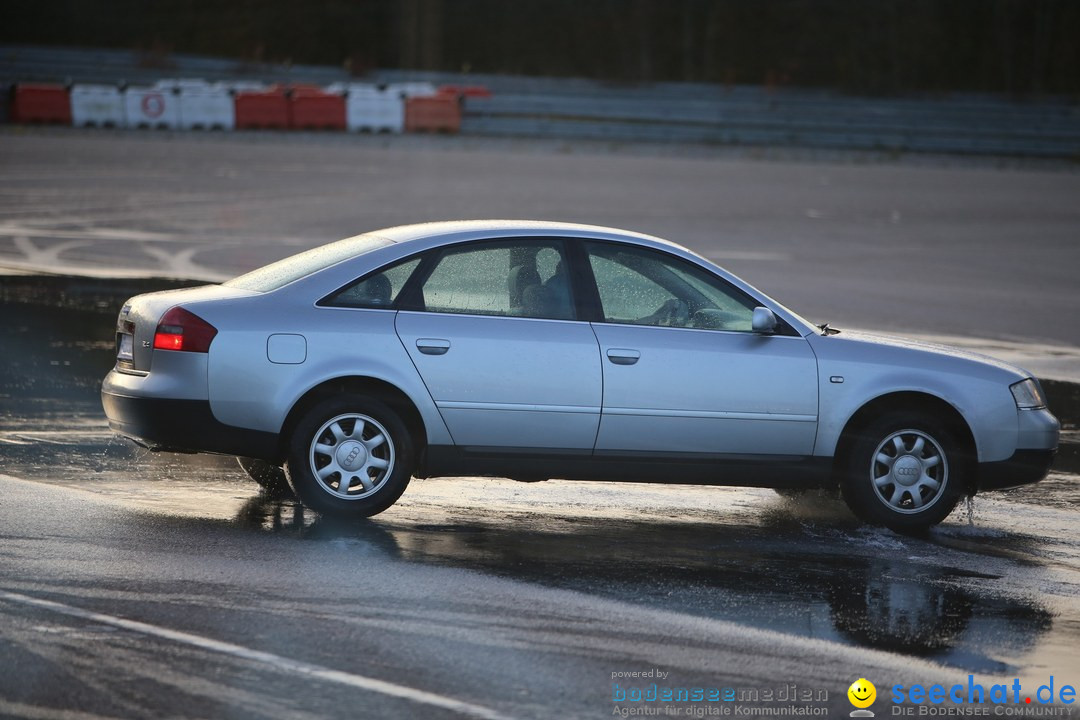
(622, 356)
(433, 346)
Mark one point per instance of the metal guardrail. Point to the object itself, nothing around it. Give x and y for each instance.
(657, 113)
(915, 126)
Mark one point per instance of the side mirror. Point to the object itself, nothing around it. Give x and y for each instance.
(764, 321)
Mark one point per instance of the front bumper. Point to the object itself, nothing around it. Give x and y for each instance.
(1023, 468)
(184, 426)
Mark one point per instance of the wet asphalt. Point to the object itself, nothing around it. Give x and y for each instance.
(511, 599)
(135, 584)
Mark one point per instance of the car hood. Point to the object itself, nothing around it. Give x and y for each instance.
(888, 349)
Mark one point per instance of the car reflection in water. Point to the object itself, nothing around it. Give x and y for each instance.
(944, 614)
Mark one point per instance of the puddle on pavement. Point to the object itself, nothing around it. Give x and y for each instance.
(729, 554)
(837, 582)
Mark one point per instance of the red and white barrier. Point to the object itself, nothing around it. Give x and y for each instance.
(312, 108)
(440, 113)
(41, 103)
(190, 104)
(151, 107)
(203, 105)
(374, 109)
(262, 108)
(97, 106)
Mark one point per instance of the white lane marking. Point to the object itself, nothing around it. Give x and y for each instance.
(180, 263)
(28, 231)
(107, 272)
(46, 256)
(277, 661)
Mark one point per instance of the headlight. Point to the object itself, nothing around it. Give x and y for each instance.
(1028, 395)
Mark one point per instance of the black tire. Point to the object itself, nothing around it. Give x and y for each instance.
(326, 448)
(270, 477)
(904, 470)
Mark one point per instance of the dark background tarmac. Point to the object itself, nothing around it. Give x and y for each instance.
(518, 598)
(955, 248)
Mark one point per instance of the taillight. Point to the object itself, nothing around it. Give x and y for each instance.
(184, 331)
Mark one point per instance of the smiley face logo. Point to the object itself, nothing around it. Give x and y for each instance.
(862, 693)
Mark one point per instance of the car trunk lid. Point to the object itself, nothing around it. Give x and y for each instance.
(139, 318)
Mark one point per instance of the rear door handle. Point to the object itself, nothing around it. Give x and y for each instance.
(623, 356)
(433, 346)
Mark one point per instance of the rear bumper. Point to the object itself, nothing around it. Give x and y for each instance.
(183, 426)
(1023, 468)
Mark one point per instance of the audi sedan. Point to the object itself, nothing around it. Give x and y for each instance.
(535, 350)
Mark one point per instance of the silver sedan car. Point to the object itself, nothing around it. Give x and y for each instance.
(535, 350)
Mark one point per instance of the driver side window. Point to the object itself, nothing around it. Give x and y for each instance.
(638, 286)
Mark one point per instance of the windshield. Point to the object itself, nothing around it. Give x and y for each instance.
(276, 275)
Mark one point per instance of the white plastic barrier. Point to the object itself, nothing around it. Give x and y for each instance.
(371, 109)
(202, 105)
(96, 106)
(207, 108)
(151, 107)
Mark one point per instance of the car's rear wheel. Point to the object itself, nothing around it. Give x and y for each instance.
(905, 471)
(270, 477)
(349, 456)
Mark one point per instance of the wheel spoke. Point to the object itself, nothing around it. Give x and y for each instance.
(324, 449)
(916, 497)
(365, 480)
(928, 482)
(358, 430)
(932, 461)
(886, 460)
(337, 432)
(897, 495)
(374, 442)
(917, 448)
(346, 481)
(882, 481)
(328, 470)
(898, 444)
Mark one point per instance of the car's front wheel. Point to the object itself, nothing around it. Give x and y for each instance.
(349, 456)
(905, 471)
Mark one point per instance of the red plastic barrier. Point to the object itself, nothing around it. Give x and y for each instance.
(469, 91)
(41, 104)
(262, 109)
(441, 113)
(315, 109)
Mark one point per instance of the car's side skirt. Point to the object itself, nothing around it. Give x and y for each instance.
(676, 468)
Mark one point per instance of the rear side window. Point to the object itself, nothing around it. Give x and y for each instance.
(375, 291)
(523, 278)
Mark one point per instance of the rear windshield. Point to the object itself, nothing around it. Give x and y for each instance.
(271, 277)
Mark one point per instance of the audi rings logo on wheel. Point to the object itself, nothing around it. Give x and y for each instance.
(907, 471)
(153, 105)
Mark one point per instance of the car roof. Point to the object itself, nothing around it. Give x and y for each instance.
(423, 235)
